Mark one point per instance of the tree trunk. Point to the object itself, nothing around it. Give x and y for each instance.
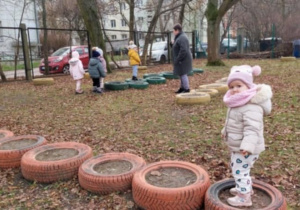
(181, 13)
(150, 30)
(18, 41)
(89, 12)
(3, 77)
(131, 20)
(214, 15)
(45, 41)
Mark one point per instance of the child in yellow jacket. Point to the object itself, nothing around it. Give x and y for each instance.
(134, 60)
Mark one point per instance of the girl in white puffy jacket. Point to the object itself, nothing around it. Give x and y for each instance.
(76, 71)
(243, 132)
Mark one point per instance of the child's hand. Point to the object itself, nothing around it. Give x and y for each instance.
(244, 153)
(140, 63)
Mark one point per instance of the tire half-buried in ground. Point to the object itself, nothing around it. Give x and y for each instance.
(12, 149)
(170, 185)
(54, 162)
(156, 80)
(222, 88)
(116, 85)
(211, 92)
(5, 134)
(192, 98)
(109, 172)
(138, 85)
(169, 75)
(266, 197)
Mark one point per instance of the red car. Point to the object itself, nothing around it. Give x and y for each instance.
(59, 61)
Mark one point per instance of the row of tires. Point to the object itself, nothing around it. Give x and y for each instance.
(153, 79)
(117, 172)
(203, 94)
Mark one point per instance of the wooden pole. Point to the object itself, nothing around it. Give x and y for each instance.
(25, 52)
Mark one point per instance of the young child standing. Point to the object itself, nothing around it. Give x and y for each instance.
(96, 71)
(76, 71)
(134, 60)
(104, 67)
(243, 132)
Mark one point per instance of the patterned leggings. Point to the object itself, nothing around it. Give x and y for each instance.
(241, 166)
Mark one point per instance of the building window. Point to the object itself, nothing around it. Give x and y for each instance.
(124, 36)
(113, 36)
(141, 35)
(140, 19)
(1, 32)
(113, 23)
(165, 17)
(123, 21)
(123, 6)
(139, 3)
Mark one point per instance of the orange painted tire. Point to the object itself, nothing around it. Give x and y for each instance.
(5, 134)
(189, 197)
(47, 171)
(11, 158)
(93, 181)
(212, 201)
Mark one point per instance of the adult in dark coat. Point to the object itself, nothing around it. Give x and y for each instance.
(182, 58)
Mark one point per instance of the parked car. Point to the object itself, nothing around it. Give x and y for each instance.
(159, 52)
(224, 45)
(59, 60)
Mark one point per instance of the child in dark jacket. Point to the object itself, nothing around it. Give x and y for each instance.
(96, 71)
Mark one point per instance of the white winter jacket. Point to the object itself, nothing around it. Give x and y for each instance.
(76, 67)
(244, 125)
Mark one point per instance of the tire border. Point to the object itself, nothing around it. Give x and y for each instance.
(163, 194)
(203, 98)
(213, 202)
(12, 158)
(6, 133)
(51, 171)
(108, 182)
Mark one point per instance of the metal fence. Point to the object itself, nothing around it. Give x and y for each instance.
(116, 41)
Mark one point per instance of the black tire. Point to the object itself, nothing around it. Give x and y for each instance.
(138, 85)
(198, 71)
(145, 76)
(212, 201)
(116, 85)
(170, 75)
(156, 80)
(163, 59)
(66, 69)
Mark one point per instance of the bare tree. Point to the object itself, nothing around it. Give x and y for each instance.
(45, 44)
(214, 14)
(89, 11)
(157, 13)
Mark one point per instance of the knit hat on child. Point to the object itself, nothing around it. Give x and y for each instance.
(95, 54)
(244, 73)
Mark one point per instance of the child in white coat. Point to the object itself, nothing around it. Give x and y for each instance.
(243, 132)
(76, 71)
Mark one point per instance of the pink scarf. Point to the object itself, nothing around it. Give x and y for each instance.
(239, 99)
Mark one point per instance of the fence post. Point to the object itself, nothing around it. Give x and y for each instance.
(194, 43)
(25, 52)
(169, 47)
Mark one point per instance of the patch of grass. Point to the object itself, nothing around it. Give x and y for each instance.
(150, 124)
(19, 66)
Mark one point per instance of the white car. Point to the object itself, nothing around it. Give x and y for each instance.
(159, 52)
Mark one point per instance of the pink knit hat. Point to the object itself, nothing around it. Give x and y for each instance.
(244, 73)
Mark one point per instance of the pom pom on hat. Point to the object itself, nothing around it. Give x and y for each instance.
(256, 70)
(244, 73)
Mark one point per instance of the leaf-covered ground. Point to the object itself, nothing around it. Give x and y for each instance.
(147, 123)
